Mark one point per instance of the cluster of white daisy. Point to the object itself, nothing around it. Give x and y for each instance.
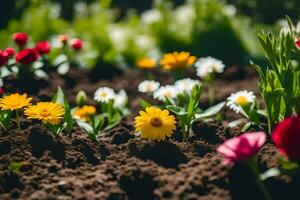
(170, 91)
(237, 100)
(208, 65)
(106, 94)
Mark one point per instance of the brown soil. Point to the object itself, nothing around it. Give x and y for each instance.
(122, 166)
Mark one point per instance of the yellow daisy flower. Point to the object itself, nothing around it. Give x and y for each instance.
(15, 102)
(155, 124)
(177, 60)
(84, 113)
(146, 63)
(47, 112)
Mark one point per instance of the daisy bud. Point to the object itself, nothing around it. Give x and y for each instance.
(20, 38)
(27, 56)
(242, 148)
(81, 98)
(43, 47)
(286, 137)
(77, 44)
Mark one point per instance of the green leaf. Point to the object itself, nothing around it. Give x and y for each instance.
(85, 127)
(5, 117)
(270, 173)
(14, 167)
(177, 110)
(60, 98)
(211, 111)
(246, 127)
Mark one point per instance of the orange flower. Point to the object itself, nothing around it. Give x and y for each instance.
(146, 63)
(177, 60)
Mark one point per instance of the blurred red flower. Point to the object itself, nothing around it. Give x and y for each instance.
(3, 57)
(10, 51)
(27, 56)
(20, 38)
(297, 42)
(286, 137)
(43, 47)
(77, 44)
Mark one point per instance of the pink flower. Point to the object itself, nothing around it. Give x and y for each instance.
(3, 58)
(286, 137)
(20, 38)
(77, 44)
(10, 51)
(242, 148)
(297, 42)
(27, 56)
(43, 47)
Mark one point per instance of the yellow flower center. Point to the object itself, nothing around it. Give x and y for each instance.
(156, 121)
(45, 112)
(149, 88)
(168, 94)
(241, 100)
(103, 94)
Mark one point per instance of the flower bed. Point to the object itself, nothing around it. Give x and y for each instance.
(176, 127)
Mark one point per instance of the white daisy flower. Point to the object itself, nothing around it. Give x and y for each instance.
(120, 99)
(236, 100)
(169, 91)
(148, 86)
(208, 65)
(186, 85)
(151, 16)
(104, 94)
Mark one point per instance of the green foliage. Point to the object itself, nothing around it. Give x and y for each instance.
(14, 167)
(280, 82)
(60, 98)
(187, 110)
(5, 117)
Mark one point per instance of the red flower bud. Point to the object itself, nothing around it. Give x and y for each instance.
(20, 38)
(242, 148)
(3, 58)
(10, 51)
(43, 47)
(286, 137)
(27, 56)
(77, 44)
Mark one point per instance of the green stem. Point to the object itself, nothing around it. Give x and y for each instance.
(211, 88)
(211, 93)
(262, 189)
(18, 119)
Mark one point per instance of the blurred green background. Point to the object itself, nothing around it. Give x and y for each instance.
(122, 32)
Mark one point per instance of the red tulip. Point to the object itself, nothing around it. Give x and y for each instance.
(43, 47)
(10, 51)
(3, 58)
(27, 56)
(242, 148)
(20, 38)
(286, 137)
(77, 44)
